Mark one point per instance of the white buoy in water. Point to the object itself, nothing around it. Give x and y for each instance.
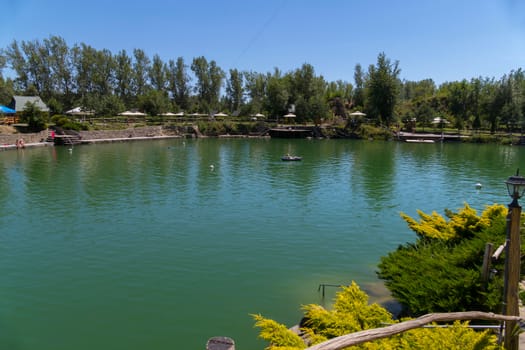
(212, 167)
(478, 185)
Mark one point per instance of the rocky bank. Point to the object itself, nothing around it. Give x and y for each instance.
(9, 135)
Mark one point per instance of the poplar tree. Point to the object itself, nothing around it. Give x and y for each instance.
(382, 89)
(209, 81)
(179, 82)
(234, 90)
(123, 76)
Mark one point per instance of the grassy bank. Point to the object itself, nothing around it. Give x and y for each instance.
(118, 127)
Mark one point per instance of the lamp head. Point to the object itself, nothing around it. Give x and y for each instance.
(516, 186)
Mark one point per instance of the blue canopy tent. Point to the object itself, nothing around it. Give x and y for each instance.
(6, 110)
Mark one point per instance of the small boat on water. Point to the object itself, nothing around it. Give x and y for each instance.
(290, 158)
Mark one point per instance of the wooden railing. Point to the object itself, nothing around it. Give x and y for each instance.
(225, 343)
(10, 120)
(378, 333)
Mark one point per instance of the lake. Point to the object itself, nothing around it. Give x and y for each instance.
(145, 245)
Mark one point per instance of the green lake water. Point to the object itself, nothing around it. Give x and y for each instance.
(144, 245)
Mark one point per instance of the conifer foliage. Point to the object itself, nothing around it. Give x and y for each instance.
(352, 313)
(441, 271)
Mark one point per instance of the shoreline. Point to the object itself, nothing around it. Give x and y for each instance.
(9, 141)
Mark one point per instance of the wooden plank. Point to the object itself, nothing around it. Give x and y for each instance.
(360, 337)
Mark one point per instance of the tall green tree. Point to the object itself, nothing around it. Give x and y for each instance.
(141, 67)
(358, 99)
(200, 68)
(179, 83)
(6, 85)
(277, 94)
(475, 103)
(37, 59)
(217, 76)
(459, 99)
(103, 73)
(7, 90)
(235, 90)
(513, 98)
(209, 81)
(255, 86)
(84, 60)
(308, 94)
(15, 58)
(158, 74)
(61, 67)
(303, 83)
(123, 76)
(418, 90)
(382, 89)
(3, 62)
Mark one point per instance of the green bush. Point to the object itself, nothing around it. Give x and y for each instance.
(36, 119)
(508, 140)
(211, 128)
(244, 128)
(215, 128)
(68, 124)
(522, 296)
(366, 131)
(352, 313)
(441, 271)
(481, 139)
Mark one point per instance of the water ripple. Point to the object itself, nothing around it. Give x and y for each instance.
(146, 237)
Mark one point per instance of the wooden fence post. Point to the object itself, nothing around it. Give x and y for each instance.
(220, 343)
(486, 262)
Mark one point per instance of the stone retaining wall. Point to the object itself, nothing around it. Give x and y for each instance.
(148, 131)
(10, 139)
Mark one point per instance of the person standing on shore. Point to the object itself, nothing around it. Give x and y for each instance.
(20, 143)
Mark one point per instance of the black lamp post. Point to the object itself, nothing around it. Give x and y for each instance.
(516, 187)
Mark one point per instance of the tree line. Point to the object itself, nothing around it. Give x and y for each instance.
(109, 83)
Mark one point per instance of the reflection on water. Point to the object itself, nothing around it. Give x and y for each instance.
(141, 243)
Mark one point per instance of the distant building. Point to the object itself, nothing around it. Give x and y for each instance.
(18, 103)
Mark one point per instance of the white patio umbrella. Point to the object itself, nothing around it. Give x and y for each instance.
(220, 115)
(289, 115)
(79, 111)
(439, 120)
(132, 114)
(357, 114)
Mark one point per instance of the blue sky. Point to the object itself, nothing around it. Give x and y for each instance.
(445, 40)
